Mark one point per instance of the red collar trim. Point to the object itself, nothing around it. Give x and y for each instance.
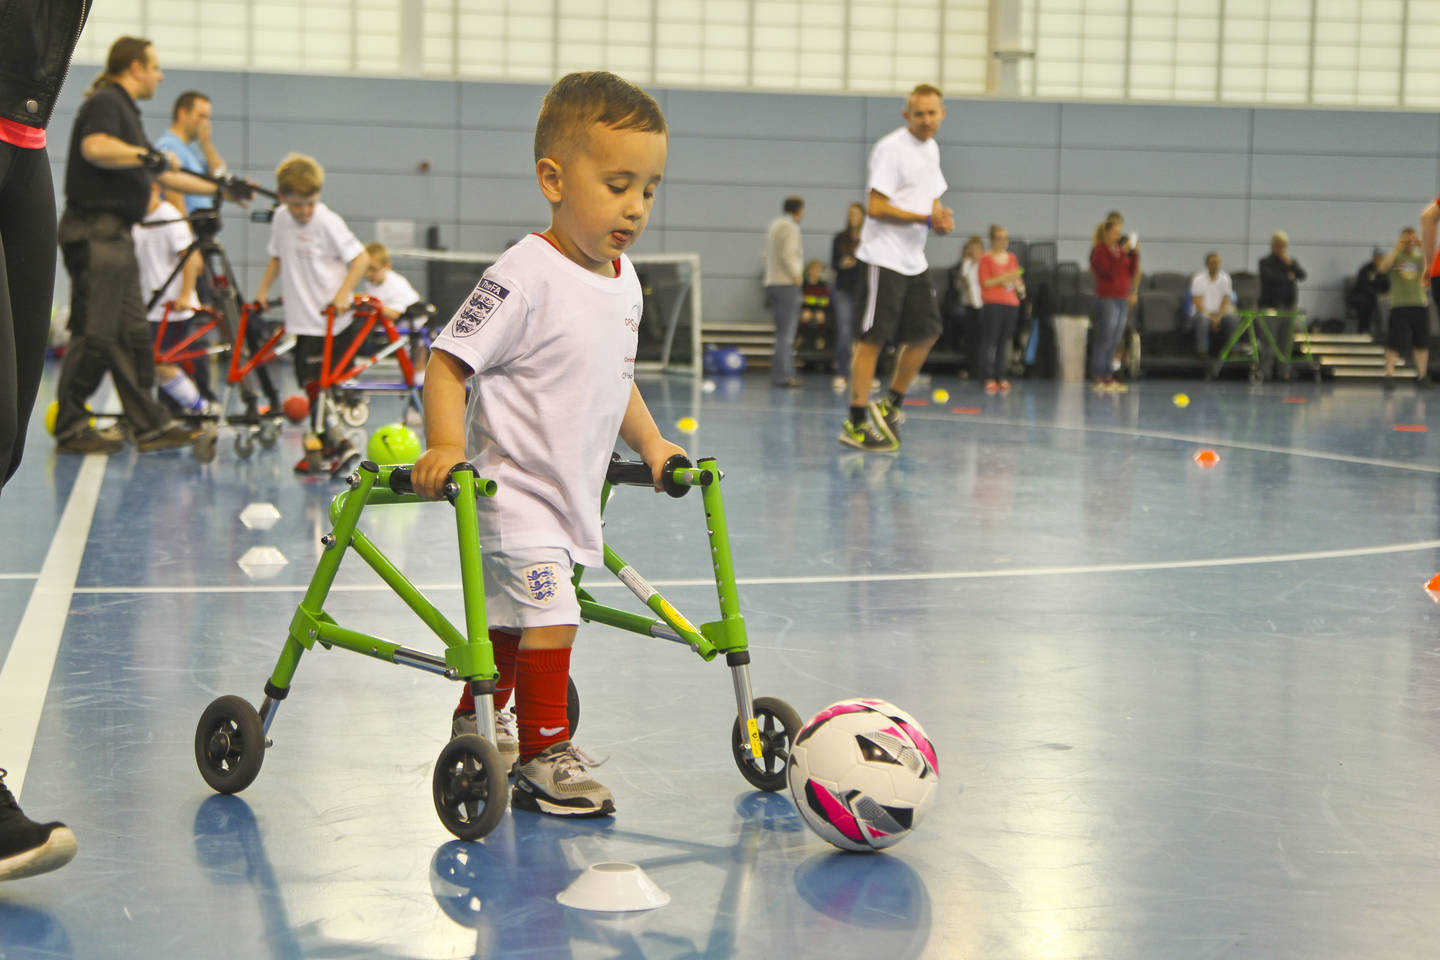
(614, 263)
(20, 135)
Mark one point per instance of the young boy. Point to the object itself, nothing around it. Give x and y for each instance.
(320, 261)
(393, 291)
(549, 336)
(160, 239)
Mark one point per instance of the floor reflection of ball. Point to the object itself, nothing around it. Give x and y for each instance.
(1181, 400)
(708, 386)
(686, 425)
(941, 395)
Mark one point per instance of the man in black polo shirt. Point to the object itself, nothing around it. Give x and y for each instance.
(107, 188)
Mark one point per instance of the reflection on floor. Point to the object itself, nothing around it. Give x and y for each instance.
(1180, 712)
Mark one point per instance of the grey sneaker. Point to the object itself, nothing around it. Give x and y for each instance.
(887, 418)
(90, 440)
(558, 781)
(507, 737)
(173, 434)
(866, 437)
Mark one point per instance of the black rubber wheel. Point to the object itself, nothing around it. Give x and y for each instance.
(779, 725)
(244, 444)
(268, 433)
(572, 706)
(203, 449)
(229, 744)
(470, 786)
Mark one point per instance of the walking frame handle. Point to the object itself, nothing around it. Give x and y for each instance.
(677, 476)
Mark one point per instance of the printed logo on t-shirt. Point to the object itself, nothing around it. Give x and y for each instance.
(543, 581)
(482, 303)
(632, 320)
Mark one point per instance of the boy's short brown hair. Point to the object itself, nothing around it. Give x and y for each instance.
(379, 254)
(579, 100)
(299, 175)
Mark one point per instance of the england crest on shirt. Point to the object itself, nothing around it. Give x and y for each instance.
(482, 303)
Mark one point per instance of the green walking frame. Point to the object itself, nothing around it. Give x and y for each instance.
(1297, 347)
(469, 783)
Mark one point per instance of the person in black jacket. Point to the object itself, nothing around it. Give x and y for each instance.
(842, 291)
(1280, 275)
(1365, 291)
(37, 38)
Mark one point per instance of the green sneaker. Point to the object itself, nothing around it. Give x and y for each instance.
(887, 418)
(866, 437)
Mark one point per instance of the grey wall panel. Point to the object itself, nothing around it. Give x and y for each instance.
(730, 253)
(497, 153)
(742, 208)
(1157, 218)
(227, 91)
(500, 106)
(1358, 222)
(788, 165)
(503, 200)
(366, 102)
(999, 123)
(394, 148)
(1167, 173)
(425, 199)
(1029, 215)
(1344, 178)
(1210, 129)
(777, 116)
(732, 298)
(1346, 132)
(1012, 169)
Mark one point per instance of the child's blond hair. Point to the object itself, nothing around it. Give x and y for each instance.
(379, 254)
(579, 100)
(299, 175)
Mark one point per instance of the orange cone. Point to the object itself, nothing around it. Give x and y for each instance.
(1434, 583)
(1207, 458)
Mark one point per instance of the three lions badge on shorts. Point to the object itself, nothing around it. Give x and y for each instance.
(542, 580)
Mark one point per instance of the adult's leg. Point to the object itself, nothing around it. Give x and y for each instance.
(920, 327)
(785, 308)
(1009, 317)
(989, 336)
(27, 283)
(843, 313)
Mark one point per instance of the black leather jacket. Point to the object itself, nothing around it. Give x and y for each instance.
(37, 38)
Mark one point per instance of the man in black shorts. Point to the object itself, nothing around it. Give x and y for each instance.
(895, 299)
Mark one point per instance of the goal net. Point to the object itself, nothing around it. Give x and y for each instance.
(670, 283)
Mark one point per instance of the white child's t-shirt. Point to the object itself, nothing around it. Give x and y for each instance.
(552, 349)
(907, 171)
(158, 249)
(394, 292)
(314, 259)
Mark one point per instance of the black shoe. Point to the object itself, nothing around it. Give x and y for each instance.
(173, 434)
(91, 440)
(866, 437)
(1389, 383)
(27, 847)
(1423, 382)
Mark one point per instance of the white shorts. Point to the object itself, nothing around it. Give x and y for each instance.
(530, 588)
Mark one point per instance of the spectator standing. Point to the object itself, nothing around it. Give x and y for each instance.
(895, 297)
(1001, 290)
(784, 268)
(1280, 276)
(1409, 307)
(1365, 291)
(972, 299)
(842, 291)
(107, 188)
(1115, 264)
(1212, 295)
(190, 139)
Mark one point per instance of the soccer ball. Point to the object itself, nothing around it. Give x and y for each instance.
(863, 774)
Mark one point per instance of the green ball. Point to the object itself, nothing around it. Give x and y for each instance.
(393, 443)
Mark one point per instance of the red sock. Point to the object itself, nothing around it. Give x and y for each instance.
(505, 645)
(542, 678)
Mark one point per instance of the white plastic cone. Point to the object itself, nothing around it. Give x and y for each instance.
(613, 887)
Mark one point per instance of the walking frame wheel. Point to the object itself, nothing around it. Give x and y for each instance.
(778, 725)
(229, 744)
(470, 786)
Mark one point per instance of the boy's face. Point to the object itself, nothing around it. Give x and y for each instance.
(301, 207)
(602, 195)
(375, 273)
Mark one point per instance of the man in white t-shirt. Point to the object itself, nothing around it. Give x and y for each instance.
(1212, 296)
(161, 239)
(547, 341)
(895, 299)
(319, 261)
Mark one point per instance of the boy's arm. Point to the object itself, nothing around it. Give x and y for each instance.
(272, 270)
(1428, 221)
(358, 266)
(444, 423)
(638, 430)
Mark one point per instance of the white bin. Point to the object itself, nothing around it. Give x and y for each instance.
(1070, 336)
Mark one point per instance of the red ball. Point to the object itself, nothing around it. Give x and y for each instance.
(296, 407)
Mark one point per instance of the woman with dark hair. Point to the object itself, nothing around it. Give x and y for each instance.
(842, 291)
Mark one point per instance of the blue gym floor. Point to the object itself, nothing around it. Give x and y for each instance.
(1180, 712)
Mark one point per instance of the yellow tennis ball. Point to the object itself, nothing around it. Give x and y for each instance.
(941, 395)
(1181, 400)
(686, 425)
(51, 412)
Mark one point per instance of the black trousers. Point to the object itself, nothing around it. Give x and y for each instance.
(997, 329)
(108, 329)
(27, 284)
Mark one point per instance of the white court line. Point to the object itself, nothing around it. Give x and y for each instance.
(19, 576)
(1261, 558)
(25, 676)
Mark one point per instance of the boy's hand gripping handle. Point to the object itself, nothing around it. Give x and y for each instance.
(401, 483)
(636, 473)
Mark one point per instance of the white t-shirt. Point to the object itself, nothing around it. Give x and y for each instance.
(972, 296)
(907, 172)
(394, 292)
(552, 349)
(1212, 293)
(158, 249)
(314, 259)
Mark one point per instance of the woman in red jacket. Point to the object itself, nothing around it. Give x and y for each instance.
(1116, 267)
